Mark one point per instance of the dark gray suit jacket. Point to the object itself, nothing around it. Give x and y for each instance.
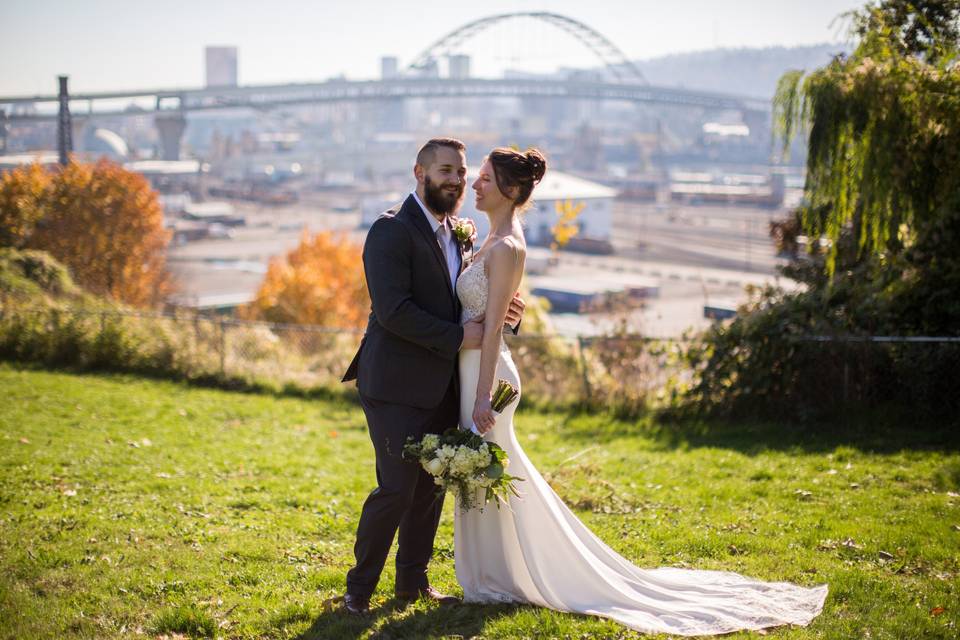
(408, 354)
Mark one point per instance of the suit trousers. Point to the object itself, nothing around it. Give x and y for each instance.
(406, 499)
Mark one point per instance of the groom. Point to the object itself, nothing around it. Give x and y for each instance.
(406, 369)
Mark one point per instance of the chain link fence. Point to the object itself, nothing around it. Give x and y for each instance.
(922, 371)
(625, 372)
(819, 377)
(556, 370)
(182, 344)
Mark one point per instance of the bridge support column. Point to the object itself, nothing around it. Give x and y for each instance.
(170, 127)
(64, 125)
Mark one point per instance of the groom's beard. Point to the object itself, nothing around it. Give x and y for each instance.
(439, 199)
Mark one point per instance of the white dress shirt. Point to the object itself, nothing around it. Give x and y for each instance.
(452, 249)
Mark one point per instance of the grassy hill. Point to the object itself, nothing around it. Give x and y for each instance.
(136, 508)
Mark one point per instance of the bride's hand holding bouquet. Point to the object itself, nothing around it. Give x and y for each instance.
(488, 407)
(483, 416)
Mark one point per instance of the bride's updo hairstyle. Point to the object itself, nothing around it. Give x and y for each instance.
(520, 170)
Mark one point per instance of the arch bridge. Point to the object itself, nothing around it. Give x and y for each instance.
(615, 62)
(623, 82)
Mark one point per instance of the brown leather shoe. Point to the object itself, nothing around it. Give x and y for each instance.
(356, 605)
(427, 593)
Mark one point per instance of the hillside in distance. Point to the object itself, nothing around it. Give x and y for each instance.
(749, 72)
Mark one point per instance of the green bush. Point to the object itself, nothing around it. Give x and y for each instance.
(33, 273)
(764, 363)
(46, 319)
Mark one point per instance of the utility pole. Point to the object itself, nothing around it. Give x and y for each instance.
(64, 124)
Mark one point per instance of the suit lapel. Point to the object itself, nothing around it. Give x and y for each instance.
(415, 214)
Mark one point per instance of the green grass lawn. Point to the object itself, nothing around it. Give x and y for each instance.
(131, 507)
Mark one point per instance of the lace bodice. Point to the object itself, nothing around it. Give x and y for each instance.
(472, 288)
(473, 285)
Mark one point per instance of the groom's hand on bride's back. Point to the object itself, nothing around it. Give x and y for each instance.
(473, 330)
(515, 313)
(473, 334)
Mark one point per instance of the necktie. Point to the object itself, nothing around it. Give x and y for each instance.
(442, 240)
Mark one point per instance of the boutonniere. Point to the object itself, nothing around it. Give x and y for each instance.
(465, 231)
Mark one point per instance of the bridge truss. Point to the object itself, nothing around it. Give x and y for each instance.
(608, 53)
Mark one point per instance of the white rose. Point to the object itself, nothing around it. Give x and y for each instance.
(434, 467)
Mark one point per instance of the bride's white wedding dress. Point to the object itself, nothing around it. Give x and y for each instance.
(536, 551)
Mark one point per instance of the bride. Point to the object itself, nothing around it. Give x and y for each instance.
(534, 549)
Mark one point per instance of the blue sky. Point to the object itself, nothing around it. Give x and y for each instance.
(110, 44)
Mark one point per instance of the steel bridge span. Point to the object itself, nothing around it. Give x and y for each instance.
(22, 109)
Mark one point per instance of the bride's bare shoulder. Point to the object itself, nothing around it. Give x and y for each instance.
(513, 248)
(509, 252)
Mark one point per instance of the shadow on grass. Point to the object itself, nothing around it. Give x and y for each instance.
(879, 433)
(396, 620)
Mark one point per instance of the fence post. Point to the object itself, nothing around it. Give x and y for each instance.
(846, 379)
(587, 392)
(223, 346)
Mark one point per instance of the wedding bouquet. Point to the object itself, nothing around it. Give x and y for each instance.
(466, 464)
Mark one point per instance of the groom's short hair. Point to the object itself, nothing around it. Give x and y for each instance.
(428, 152)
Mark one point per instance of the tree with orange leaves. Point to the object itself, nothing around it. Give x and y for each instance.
(103, 222)
(22, 199)
(319, 282)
